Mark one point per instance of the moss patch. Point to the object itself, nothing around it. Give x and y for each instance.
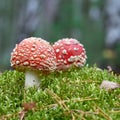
(74, 94)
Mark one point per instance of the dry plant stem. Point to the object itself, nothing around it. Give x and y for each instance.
(101, 112)
(74, 100)
(63, 105)
(31, 79)
(22, 114)
(84, 112)
(6, 117)
(79, 100)
(117, 111)
(57, 99)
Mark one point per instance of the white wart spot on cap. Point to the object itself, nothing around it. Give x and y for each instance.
(65, 62)
(67, 43)
(26, 63)
(71, 59)
(59, 56)
(76, 49)
(42, 56)
(17, 62)
(79, 64)
(57, 50)
(32, 49)
(64, 51)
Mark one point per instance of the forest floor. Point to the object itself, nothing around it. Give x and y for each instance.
(70, 95)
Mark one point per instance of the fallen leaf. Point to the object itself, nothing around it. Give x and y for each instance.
(109, 85)
(29, 106)
(26, 108)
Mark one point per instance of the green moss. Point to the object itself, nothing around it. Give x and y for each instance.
(73, 94)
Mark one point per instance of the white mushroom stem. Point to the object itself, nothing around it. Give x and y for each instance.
(31, 79)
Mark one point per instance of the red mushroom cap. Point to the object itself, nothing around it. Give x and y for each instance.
(33, 53)
(69, 52)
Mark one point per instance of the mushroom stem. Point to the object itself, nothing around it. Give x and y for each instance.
(31, 79)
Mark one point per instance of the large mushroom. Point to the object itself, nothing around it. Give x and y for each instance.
(69, 52)
(33, 55)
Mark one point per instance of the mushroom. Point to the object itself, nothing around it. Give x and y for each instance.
(32, 55)
(69, 52)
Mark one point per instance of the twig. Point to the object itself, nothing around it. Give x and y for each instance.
(117, 111)
(63, 105)
(5, 117)
(101, 112)
(84, 112)
(59, 101)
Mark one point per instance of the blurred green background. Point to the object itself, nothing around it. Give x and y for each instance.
(51, 20)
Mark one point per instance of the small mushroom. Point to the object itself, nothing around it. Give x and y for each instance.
(32, 55)
(69, 52)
